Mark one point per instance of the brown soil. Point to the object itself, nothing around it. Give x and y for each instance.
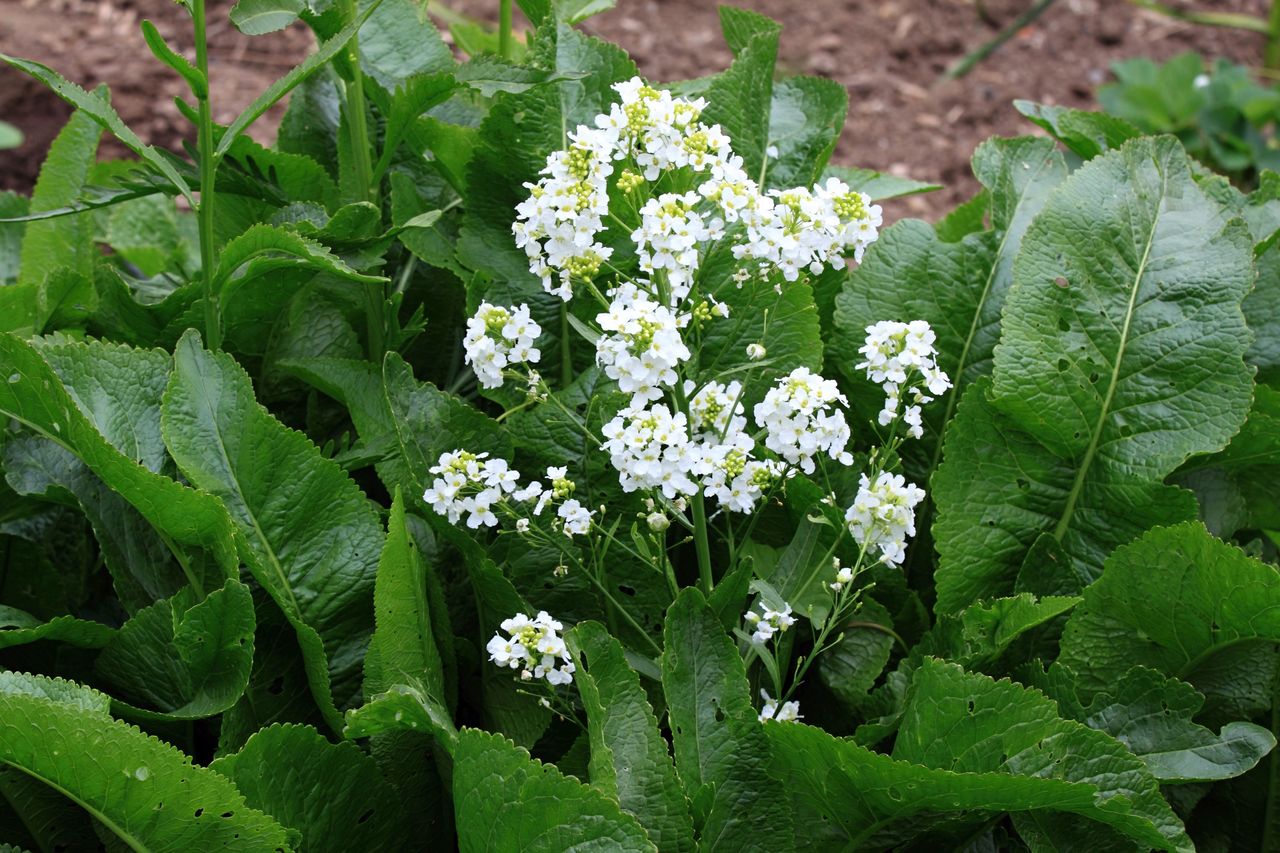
(888, 53)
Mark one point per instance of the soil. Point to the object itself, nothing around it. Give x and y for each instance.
(890, 55)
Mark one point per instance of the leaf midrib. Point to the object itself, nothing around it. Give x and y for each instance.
(134, 843)
(1091, 451)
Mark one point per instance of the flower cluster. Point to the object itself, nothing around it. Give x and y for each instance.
(642, 345)
(800, 229)
(883, 515)
(472, 484)
(802, 421)
(769, 622)
(559, 225)
(650, 449)
(789, 712)
(498, 337)
(533, 646)
(901, 358)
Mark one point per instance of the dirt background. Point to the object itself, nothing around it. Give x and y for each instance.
(889, 54)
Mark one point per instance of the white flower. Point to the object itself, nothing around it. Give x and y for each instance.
(650, 449)
(470, 483)
(802, 419)
(901, 358)
(575, 517)
(534, 646)
(755, 352)
(668, 238)
(789, 712)
(769, 622)
(883, 515)
(641, 347)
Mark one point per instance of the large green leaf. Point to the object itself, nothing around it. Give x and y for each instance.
(629, 757)
(87, 422)
(66, 241)
(969, 748)
(307, 533)
(740, 99)
(1152, 716)
(331, 793)
(721, 753)
(399, 41)
(505, 800)
(259, 17)
(1188, 605)
(145, 792)
(183, 657)
(1121, 356)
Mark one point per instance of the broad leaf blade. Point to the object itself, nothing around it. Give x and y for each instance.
(308, 534)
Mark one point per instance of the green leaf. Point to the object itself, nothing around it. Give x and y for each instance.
(399, 41)
(65, 243)
(1236, 486)
(806, 115)
(911, 273)
(160, 49)
(60, 691)
(296, 75)
(96, 107)
(969, 748)
(307, 533)
(721, 752)
(12, 205)
(629, 757)
(183, 658)
(17, 628)
(980, 635)
(145, 792)
(740, 99)
(87, 423)
(266, 248)
(505, 800)
(403, 648)
(401, 708)
(10, 136)
(878, 185)
(145, 232)
(1120, 357)
(331, 793)
(1086, 134)
(259, 17)
(1189, 606)
(1152, 716)
(851, 667)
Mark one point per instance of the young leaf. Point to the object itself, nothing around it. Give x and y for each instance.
(740, 99)
(143, 791)
(878, 185)
(65, 243)
(1185, 604)
(266, 248)
(1086, 134)
(399, 42)
(160, 49)
(97, 108)
(259, 17)
(1121, 356)
(805, 118)
(183, 658)
(331, 793)
(629, 757)
(721, 754)
(307, 533)
(969, 748)
(533, 807)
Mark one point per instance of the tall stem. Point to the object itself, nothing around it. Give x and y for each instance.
(566, 348)
(208, 166)
(1271, 56)
(702, 543)
(504, 28)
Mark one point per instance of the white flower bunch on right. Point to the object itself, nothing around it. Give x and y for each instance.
(498, 337)
(802, 419)
(883, 515)
(901, 358)
(533, 646)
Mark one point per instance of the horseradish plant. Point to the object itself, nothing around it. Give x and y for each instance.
(677, 530)
(651, 172)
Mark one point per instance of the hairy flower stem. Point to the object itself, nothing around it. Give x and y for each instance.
(701, 541)
(208, 167)
(566, 349)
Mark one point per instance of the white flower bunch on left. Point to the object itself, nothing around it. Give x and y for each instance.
(497, 338)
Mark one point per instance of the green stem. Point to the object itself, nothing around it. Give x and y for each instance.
(504, 29)
(967, 62)
(1271, 56)
(208, 166)
(1270, 816)
(702, 543)
(566, 348)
